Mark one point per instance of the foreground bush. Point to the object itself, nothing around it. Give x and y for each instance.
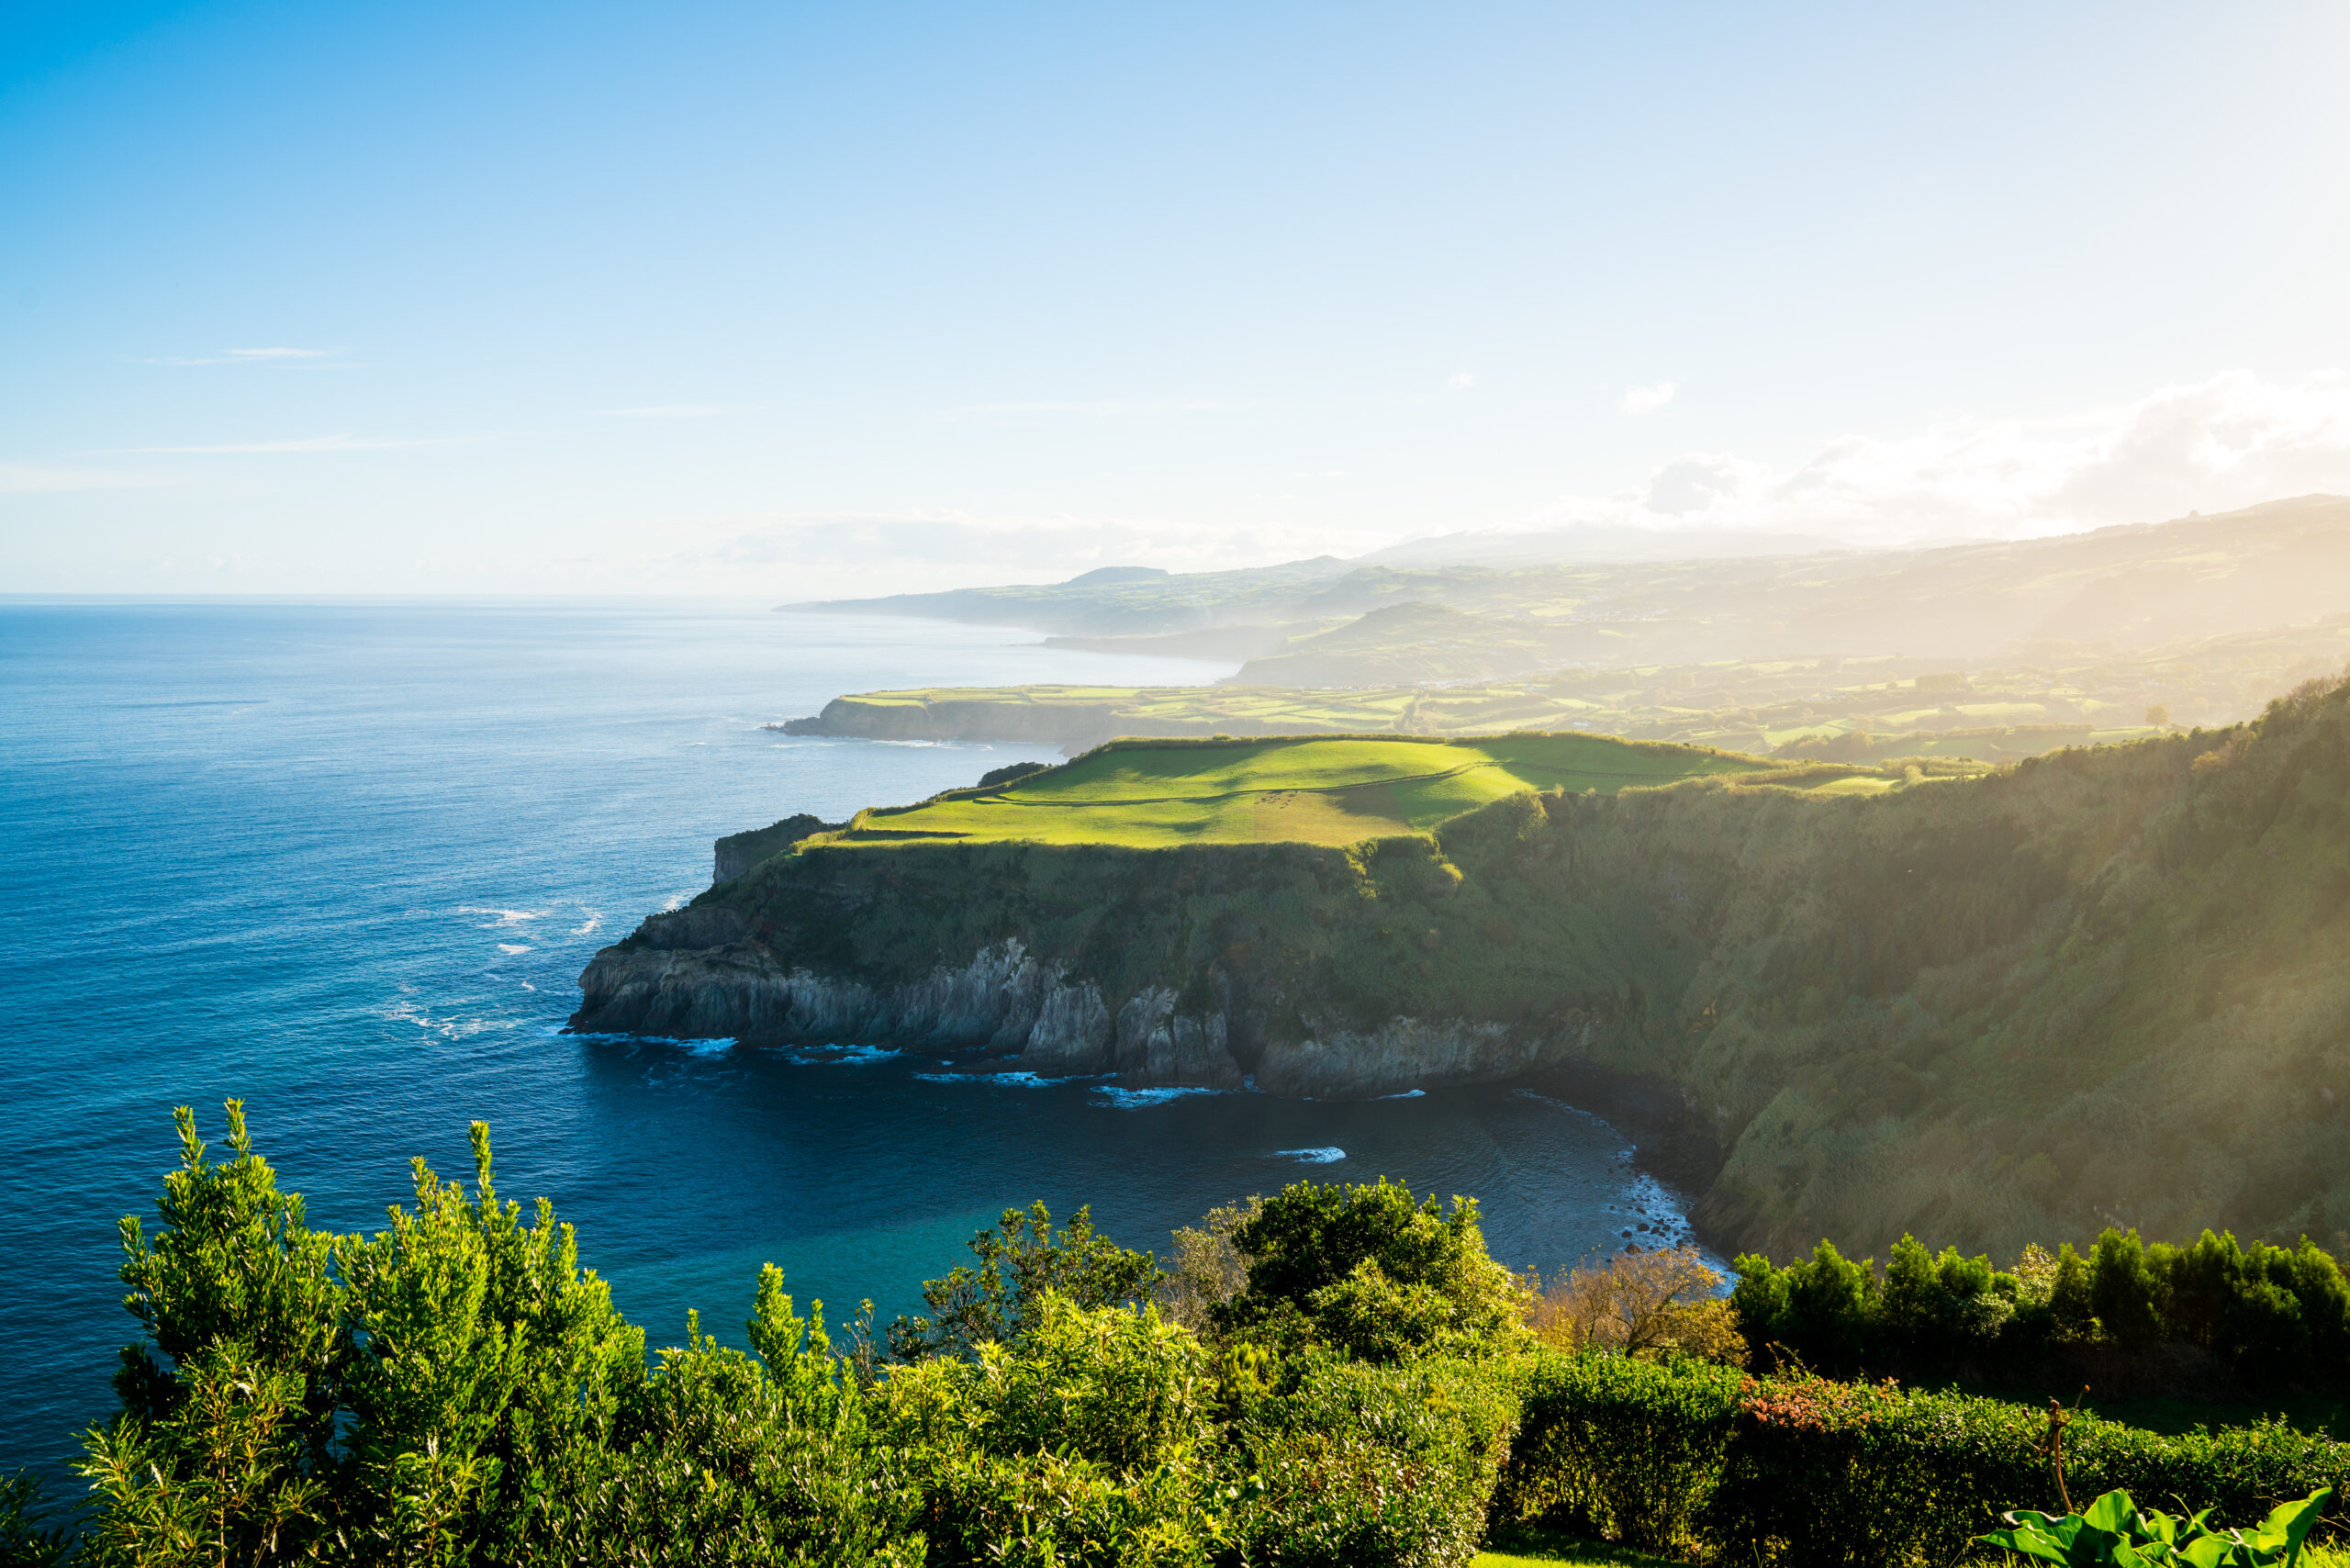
(1362, 1390)
(1363, 1466)
(1089, 1441)
(1620, 1450)
(1809, 1473)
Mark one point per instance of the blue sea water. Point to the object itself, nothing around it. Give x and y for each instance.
(347, 860)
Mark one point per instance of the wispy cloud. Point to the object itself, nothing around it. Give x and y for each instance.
(1116, 406)
(669, 411)
(344, 441)
(1648, 399)
(1460, 381)
(36, 480)
(2232, 441)
(246, 357)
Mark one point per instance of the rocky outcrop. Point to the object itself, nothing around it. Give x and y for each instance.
(695, 974)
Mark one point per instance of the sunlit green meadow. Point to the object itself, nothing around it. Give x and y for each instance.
(1334, 791)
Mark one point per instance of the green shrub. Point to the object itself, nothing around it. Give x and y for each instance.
(1021, 1260)
(770, 1455)
(1086, 1441)
(1804, 1472)
(1616, 1449)
(27, 1539)
(1372, 1271)
(1362, 1466)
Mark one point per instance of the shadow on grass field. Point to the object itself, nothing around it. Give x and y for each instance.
(1525, 1548)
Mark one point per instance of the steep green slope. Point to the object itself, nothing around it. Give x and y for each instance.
(2104, 985)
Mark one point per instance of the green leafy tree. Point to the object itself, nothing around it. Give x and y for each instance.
(222, 1451)
(1936, 1309)
(1020, 1260)
(485, 1372)
(27, 1538)
(770, 1455)
(1819, 1309)
(1373, 1271)
(2122, 1290)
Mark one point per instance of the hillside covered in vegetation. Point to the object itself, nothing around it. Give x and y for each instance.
(2102, 985)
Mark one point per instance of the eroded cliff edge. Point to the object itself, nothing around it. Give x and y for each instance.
(1985, 1011)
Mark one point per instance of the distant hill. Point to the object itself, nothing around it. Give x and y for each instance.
(2140, 586)
(2049, 694)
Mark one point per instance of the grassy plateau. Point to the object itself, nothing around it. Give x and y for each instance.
(1336, 791)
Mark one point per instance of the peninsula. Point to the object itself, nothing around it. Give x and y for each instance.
(1920, 994)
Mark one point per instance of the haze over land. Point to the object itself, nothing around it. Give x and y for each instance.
(1992, 650)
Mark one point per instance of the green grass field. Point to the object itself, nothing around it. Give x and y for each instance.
(1337, 792)
(1531, 1547)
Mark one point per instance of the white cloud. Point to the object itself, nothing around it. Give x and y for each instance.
(246, 357)
(345, 442)
(1648, 399)
(33, 479)
(1115, 406)
(2213, 445)
(1460, 381)
(668, 411)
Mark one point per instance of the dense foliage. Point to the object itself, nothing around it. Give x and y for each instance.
(2267, 1316)
(1344, 1379)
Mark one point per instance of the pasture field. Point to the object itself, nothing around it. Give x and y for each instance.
(1337, 790)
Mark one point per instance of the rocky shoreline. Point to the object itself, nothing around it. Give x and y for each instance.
(699, 973)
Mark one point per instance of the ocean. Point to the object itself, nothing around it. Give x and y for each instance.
(346, 860)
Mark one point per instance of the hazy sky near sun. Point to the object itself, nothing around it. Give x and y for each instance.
(785, 298)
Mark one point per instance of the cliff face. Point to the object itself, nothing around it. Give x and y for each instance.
(2103, 984)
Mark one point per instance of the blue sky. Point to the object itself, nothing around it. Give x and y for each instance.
(778, 299)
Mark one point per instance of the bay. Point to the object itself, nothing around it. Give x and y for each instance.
(346, 860)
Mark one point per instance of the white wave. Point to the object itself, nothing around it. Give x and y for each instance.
(1136, 1099)
(510, 947)
(595, 919)
(1408, 1094)
(1330, 1155)
(528, 986)
(707, 1048)
(844, 1055)
(447, 1029)
(1016, 1079)
(504, 916)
